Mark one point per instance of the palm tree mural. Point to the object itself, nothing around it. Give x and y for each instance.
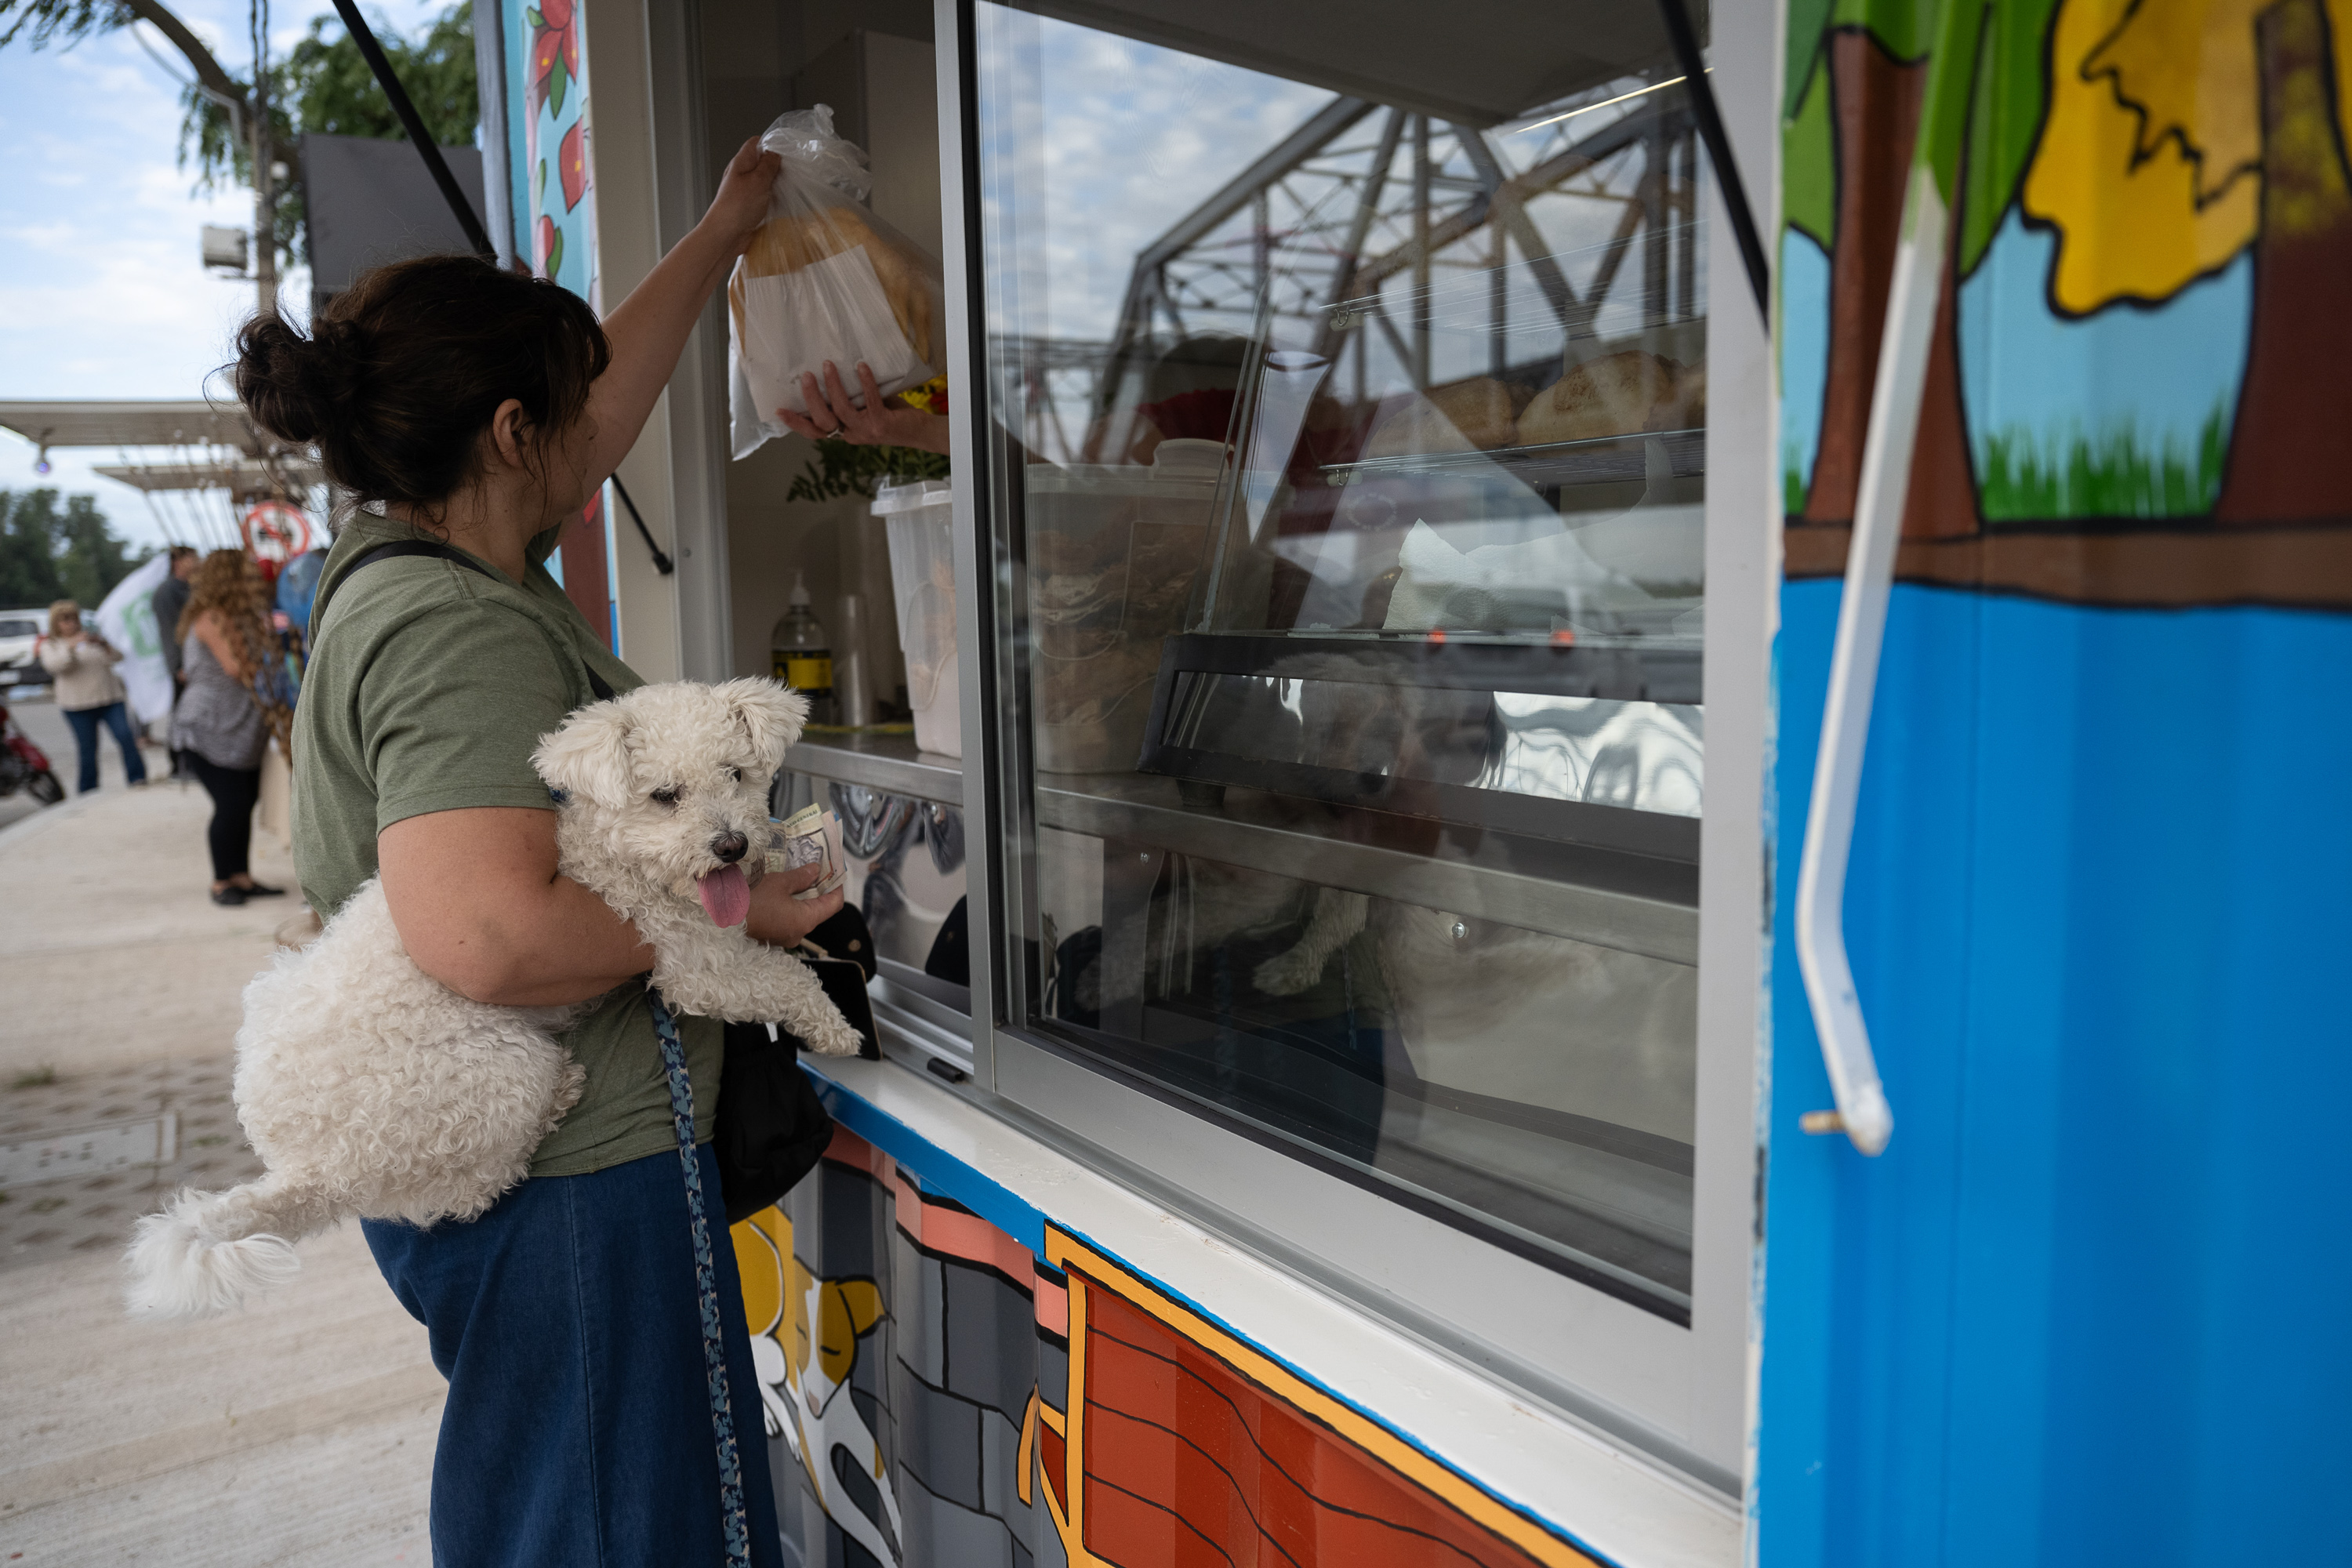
(2160, 184)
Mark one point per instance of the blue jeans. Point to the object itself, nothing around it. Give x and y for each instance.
(85, 723)
(577, 1431)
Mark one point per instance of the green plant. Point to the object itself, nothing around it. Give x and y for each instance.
(841, 469)
(36, 1078)
(322, 84)
(2025, 476)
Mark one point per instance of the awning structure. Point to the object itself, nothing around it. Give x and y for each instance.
(87, 423)
(209, 461)
(240, 476)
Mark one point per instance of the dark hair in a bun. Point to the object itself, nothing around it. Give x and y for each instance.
(402, 371)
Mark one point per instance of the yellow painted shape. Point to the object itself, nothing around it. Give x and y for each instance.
(2146, 199)
(848, 1312)
(1024, 1480)
(761, 1244)
(1069, 1515)
(1085, 1265)
(798, 1348)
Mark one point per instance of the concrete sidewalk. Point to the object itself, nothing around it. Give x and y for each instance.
(299, 1431)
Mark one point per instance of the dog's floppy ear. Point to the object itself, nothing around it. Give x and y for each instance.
(589, 756)
(772, 713)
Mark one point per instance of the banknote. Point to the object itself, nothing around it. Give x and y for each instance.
(810, 836)
(798, 840)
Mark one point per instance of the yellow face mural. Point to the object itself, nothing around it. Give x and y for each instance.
(2131, 385)
(2152, 163)
(2149, 163)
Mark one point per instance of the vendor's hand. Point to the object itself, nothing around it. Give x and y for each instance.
(779, 919)
(741, 204)
(834, 414)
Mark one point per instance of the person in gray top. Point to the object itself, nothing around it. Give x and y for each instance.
(222, 720)
(170, 597)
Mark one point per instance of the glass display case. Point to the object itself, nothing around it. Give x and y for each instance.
(1345, 513)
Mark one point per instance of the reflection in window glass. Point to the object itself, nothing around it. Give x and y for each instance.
(1348, 508)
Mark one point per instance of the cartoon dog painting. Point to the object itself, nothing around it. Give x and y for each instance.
(806, 1332)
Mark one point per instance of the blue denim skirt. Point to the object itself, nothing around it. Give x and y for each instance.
(577, 1432)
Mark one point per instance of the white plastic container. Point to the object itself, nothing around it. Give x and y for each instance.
(922, 579)
(1113, 555)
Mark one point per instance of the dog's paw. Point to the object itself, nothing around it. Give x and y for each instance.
(835, 1037)
(1288, 973)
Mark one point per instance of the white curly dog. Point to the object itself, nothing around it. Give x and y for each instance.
(368, 1088)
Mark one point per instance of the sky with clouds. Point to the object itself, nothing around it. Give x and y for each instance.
(102, 290)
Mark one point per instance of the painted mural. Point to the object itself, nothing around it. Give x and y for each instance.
(554, 217)
(2095, 896)
(939, 1392)
(554, 231)
(2134, 393)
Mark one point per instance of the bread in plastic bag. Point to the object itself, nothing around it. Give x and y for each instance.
(823, 280)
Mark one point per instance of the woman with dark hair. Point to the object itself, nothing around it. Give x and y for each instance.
(224, 719)
(472, 408)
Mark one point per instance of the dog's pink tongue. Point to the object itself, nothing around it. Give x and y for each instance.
(726, 896)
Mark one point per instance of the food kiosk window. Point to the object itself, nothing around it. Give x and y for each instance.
(1347, 511)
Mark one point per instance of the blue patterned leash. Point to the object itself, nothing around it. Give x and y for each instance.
(706, 1280)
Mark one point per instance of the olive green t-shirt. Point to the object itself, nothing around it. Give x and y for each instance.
(428, 689)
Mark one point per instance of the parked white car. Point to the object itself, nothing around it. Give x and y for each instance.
(19, 630)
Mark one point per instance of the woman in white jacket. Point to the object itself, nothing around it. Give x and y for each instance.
(88, 692)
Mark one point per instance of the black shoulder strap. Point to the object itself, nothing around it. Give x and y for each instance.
(434, 547)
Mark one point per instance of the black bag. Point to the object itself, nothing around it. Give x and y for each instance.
(772, 1129)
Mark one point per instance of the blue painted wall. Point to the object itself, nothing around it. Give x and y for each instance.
(2094, 1304)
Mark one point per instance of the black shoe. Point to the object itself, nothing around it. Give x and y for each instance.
(257, 891)
(228, 897)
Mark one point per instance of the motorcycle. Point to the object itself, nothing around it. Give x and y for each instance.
(24, 765)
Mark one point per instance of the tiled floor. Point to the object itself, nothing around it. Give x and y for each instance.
(93, 1214)
(299, 1431)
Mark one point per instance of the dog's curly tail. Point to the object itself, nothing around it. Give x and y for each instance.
(206, 1252)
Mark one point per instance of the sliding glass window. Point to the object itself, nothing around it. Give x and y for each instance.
(1346, 518)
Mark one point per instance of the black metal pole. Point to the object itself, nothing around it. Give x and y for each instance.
(475, 234)
(1719, 150)
(661, 563)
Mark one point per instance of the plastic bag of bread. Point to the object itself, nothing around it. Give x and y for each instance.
(1475, 415)
(1619, 393)
(822, 280)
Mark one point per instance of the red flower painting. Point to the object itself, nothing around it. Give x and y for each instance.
(554, 51)
(572, 163)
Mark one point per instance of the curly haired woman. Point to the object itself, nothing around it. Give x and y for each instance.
(223, 720)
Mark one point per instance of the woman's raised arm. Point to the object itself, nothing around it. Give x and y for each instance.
(648, 329)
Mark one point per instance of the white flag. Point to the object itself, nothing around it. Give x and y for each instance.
(126, 620)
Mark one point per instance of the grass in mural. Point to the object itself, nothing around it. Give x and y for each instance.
(1792, 480)
(2022, 478)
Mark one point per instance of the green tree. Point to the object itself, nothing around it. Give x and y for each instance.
(51, 552)
(322, 85)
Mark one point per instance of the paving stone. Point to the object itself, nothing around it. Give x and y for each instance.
(300, 1430)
